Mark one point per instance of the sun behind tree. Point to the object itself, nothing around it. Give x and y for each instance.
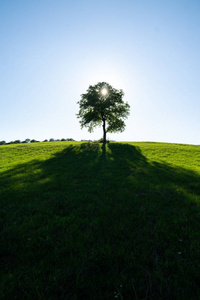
(104, 91)
(103, 105)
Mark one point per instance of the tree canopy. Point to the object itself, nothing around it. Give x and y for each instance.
(103, 105)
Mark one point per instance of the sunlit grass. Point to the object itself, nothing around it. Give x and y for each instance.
(82, 222)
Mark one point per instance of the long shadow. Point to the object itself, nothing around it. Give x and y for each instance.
(88, 223)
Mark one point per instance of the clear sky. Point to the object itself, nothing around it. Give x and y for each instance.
(51, 51)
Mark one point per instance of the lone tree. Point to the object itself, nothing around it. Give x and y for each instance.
(103, 105)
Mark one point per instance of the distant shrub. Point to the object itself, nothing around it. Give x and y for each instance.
(86, 140)
(26, 141)
(69, 140)
(51, 140)
(45, 140)
(17, 142)
(2, 142)
(34, 141)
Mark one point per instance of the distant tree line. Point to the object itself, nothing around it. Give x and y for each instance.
(26, 141)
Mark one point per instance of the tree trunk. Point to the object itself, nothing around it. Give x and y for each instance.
(104, 130)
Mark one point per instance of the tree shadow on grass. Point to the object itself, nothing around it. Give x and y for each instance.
(95, 224)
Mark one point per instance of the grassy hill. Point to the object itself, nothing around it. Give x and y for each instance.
(79, 221)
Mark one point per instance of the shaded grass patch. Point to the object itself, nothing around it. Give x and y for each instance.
(98, 223)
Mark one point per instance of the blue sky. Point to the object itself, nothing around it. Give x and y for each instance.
(51, 51)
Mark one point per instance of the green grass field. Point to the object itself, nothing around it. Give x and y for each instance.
(79, 221)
